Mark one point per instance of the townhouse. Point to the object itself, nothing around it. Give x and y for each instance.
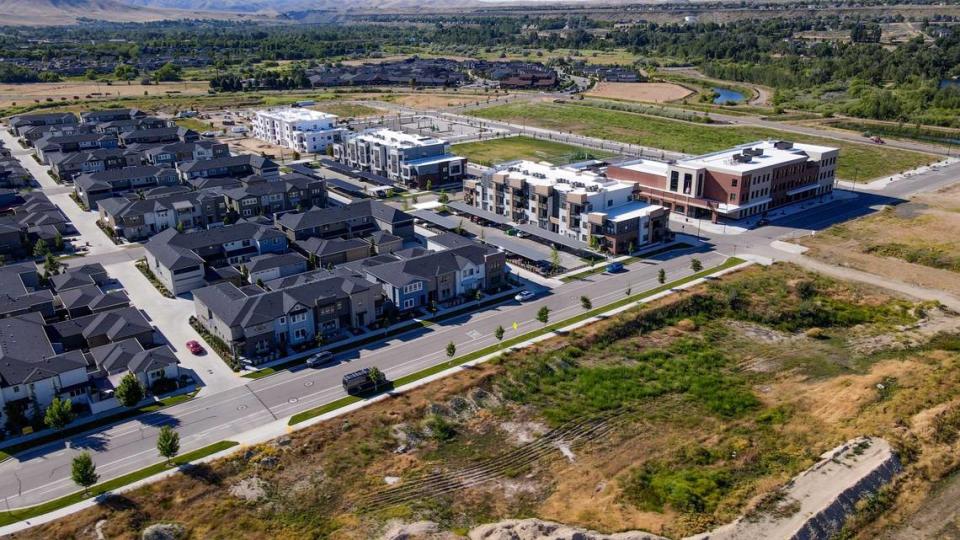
(228, 167)
(134, 124)
(12, 173)
(69, 166)
(256, 195)
(746, 180)
(170, 154)
(21, 122)
(94, 187)
(136, 218)
(418, 278)
(259, 324)
(413, 160)
(180, 260)
(32, 134)
(577, 204)
(50, 147)
(110, 115)
(357, 219)
(159, 135)
(270, 266)
(301, 130)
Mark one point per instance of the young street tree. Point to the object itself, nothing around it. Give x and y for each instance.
(451, 350)
(377, 377)
(662, 276)
(544, 315)
(168, 443)
(696, 265)
(58, 414)
(498, 333)
(554, 259)
(83, 471)
(129, 392)
(585, 302)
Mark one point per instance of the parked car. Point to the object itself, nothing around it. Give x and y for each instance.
(513, 232)
(615, 267)
(361, 381)
(762, 222)
(194, 347)
(524, 295)
(322, 357)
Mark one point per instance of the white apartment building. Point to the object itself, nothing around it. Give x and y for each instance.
(575, 203)
(403, 157)
(303, 130)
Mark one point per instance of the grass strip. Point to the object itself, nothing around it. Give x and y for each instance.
(265, 372)
(13, 516)
(69, 431)
(480, 353)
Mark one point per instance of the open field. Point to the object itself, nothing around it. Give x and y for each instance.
(858, 162)
(348, 110)
(24, 94)
(915, 242)
(671, 418)
(430, 100)
(653, 92)
(508, 149)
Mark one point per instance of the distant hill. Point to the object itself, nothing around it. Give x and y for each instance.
(63, 12)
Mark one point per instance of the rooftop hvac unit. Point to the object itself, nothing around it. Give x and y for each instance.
(783, 145)
(740, 158)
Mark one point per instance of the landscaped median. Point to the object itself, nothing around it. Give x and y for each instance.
(13, 516)
(480, 353)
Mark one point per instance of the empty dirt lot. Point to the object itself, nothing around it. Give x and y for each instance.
(651, 92)
(915, 242)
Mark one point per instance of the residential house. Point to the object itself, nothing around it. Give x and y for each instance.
(68, 166)
(115, 360)
(159, 135)
(21, 293)
(110, 115)
(94, 187)
(180, 260)
(111, 326)
(135, 219)
(50, 148)
(258, 324)
(327, 253)
(358, 219)
(262, 268)
(256, 195)
(170, 154)
(22, 121)
(232, 167)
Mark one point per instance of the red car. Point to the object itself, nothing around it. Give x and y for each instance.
(195, 347)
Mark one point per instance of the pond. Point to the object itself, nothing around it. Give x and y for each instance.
(725, 95)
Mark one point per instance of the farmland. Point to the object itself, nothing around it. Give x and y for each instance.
(858, 162)
(499, 150)
(675, 417)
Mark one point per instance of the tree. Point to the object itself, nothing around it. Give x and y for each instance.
(585, 302)
(125, 72)
(58, 414)
(83, 471)
(696, 265)
(58, 242)
(51, 264)
(628, 291)
(444, 198)
(377, 377)
(498, 333)
(544, 315)
(90, 74)
(460, 226)
(662, 276)
(429, 185)
(40, 248)
(180, 226)
(130, 391)
(168, 443)
(451, 350)
(554, 259)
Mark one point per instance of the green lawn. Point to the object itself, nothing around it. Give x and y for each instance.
(512, 148)
(858, 162)
(480, 353)
(192, 123)
(7, 518)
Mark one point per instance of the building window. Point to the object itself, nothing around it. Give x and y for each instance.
(674, 180)
(733, 196)
(283, 320)
(298, 317)
(407, 304)
(733, 182)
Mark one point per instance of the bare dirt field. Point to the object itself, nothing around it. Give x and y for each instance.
(22, 94)
(427, 101)
(652, 92)
(915, 242)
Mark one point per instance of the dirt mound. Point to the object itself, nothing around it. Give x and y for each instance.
(535, 529)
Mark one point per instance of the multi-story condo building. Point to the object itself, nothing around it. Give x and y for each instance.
(97, 186)
(257, 324)
(747, 180)
(302, 130)
(579, 204)
(411, 159)
(256, 195)
(180, 260)
(134, 218)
